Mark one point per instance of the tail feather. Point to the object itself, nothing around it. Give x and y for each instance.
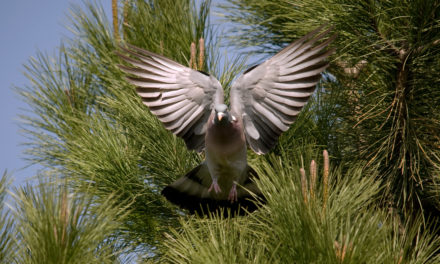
(191, 192)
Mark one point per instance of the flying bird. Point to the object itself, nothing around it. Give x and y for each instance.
(264, 101)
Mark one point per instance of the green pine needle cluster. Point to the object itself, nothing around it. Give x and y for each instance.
(48, 223)
(106, 157)
(350, 229)
(7, 245)
(383, 105)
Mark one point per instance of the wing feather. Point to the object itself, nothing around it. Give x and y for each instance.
(143, 66)
(312, 75)
(180, 97)
(287, 51)
(270, 96)
(146, 75)
(144, 83)
(176, 116)
(292, 95)
(190, 118)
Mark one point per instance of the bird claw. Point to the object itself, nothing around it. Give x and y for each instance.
(215, 187)
(233, 194)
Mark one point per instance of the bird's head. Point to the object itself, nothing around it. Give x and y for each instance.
(222, 115)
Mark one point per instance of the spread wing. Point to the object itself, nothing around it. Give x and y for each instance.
(270, 96)
(181, 98)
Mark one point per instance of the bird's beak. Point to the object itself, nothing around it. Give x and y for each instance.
(220, 115)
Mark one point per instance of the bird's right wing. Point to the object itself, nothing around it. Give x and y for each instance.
(182, 98)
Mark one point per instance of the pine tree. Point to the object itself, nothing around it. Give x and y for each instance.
(7, 245)
(106, 157)
(89, 127)
(383, 105)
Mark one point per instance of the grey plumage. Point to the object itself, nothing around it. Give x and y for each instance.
(264, 102)
(271, 95)
(180, 97)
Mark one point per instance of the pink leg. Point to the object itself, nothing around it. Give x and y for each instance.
(233, 194)
(214, 186)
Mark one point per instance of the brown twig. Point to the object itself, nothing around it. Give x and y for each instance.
(115, 19)
(192, 61)
(303, 184)
(161, 47)
(125, 22)
(69, 97)
(64, 216)
(201, 53)
(325, 178)
(312, 179)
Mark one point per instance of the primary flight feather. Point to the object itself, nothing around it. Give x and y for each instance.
(264, 101)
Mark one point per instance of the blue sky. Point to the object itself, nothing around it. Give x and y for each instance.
(26, 26)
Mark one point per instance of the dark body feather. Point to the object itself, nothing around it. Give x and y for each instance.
(191, 192)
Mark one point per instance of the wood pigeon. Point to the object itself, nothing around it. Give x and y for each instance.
(264, 101)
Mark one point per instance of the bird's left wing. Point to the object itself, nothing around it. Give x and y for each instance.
(181, 98)
(269, 96)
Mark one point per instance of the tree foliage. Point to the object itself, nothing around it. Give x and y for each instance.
(292, 229)
(106, 157)
(7, 245)
(383, 105)
(89, 126)
(54, 225)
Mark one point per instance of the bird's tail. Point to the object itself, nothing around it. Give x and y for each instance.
(191, 192)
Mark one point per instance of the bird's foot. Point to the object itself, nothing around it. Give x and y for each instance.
(215, 187)
(233, 194)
